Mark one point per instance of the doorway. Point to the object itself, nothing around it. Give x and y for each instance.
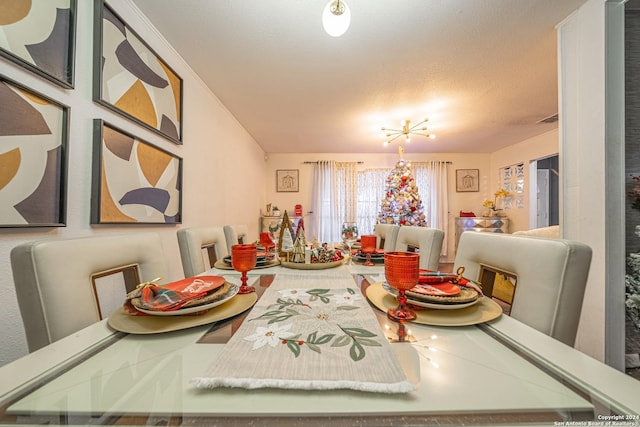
(545, 192)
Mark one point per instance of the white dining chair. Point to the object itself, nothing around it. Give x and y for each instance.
(427, 241)
(387, 235)
(197, 242)
(550, 274)
(552, 231)
(235, 234)
(64, 285)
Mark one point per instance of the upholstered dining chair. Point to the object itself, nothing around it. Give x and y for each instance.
(60, 283)
(193, 242)
(552, 231)
(235, 234)
(386, 234)
(428, 241)
(551, 275)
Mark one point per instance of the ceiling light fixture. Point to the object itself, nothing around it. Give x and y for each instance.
(407, 130)
(336, 18)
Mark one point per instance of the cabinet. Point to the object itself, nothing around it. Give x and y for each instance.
(484, 224)
(272, 223)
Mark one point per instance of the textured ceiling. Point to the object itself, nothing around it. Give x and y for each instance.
(483, 71)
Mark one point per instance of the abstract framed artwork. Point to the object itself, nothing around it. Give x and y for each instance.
(39, 35)
(131, 79)
(34, 132)
(133, 182)
(287, 180)
(467, 180)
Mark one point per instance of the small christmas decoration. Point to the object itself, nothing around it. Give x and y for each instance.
(401, 204)
(299, 248)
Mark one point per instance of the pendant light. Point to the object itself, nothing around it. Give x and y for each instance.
(336, 18)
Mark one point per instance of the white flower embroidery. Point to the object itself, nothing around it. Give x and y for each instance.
(346, 298)
(293, 293)
(271, 334)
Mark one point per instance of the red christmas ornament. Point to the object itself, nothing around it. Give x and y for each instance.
(404, 178)
(403, 222)
(413, 208)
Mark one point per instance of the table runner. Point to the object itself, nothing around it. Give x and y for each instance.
(309, 332)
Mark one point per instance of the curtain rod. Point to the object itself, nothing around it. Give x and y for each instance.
(318, 161)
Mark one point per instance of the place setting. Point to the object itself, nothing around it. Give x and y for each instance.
(266, 255)
(152, 308)
(410, 294)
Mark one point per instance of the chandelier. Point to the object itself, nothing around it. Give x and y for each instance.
(407, 129)
(336, 18)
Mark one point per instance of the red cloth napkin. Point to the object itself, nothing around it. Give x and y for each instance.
(176, 294)
(435, 277)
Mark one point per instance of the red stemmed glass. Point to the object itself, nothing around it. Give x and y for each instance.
(243, 259)
(401, 270)
(266, 242)
(368, 246)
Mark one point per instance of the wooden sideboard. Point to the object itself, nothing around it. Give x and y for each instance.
(484, 224)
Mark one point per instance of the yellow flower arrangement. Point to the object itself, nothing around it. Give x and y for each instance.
(491, 204)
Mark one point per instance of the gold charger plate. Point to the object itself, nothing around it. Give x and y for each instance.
(313, 265)
(484, 310)
(221, 265)
(120, 321)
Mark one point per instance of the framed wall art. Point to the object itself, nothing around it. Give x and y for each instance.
(287, 180)
(39, 35)
(467, 180)
(131, 79)
(34, 132)
(133, 182)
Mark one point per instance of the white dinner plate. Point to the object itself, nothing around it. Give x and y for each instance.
(190, 310)
(426, 304)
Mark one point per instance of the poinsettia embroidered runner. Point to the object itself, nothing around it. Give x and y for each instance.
(309, 333)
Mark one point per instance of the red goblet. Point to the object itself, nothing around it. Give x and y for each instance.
(266, 242)
(402, 271)
(368, 246)
(243, 259)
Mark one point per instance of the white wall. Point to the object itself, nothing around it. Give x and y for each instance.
(457, 201)
(532, 149)
(221, 163)
(592, 166)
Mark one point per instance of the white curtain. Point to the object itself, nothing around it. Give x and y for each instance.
(370, 193)
(432, 179)
(334, 199)
(347, 190)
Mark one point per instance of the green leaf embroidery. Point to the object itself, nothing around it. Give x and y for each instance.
(279, 318)
(324, 339)
(351, 291)
(313, 347)
(347, 307)
(358, 332)
(294, 347)
(369, 342)
(341, 341)
(356, 351)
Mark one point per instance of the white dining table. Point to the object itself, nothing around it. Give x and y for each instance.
(500, 372)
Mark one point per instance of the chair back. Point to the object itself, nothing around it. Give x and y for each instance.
(53, 279)
(427, 240)
(552, 231)
(551, 275)
(235, 234)
(192, 242)
(387, 235)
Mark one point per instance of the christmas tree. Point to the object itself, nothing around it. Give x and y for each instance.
(401, 203)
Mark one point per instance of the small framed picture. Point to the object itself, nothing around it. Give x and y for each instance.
(467, 180)
(287, 180)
